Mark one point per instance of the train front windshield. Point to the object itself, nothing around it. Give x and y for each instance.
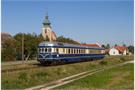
(45, 50)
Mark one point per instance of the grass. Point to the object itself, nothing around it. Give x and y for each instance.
(36, 76)
(121, 78)
(13, 65)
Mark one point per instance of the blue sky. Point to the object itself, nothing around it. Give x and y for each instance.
(90, 21)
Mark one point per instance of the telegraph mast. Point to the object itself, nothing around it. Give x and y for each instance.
(22, 46)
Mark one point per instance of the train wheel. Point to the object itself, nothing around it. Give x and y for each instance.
(62, 62)
(54, 63)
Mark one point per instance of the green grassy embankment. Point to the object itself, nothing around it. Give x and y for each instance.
(36, 76)
(118, 78)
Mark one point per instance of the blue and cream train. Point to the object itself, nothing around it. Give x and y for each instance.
(55, 52)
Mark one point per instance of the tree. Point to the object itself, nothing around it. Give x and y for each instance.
(124, 45)
(131, 49)
(115, 45)
(39, 38)
(66, 40)
(8, 50)
(30, 45)
(103, 46)
(107, 46)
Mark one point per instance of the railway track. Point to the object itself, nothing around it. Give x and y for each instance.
(17, 69)
(38, 65)
(18, 65)
(72, 78)
(31, 66)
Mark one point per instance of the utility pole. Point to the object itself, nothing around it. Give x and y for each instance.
(22, 47)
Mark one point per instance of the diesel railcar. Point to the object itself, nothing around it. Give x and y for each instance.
(56, 52)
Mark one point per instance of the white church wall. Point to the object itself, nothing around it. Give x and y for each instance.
(113, 51)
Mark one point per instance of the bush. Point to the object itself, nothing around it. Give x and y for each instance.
(122, 58)
(103, 62)
(23, 76)
(41, 74)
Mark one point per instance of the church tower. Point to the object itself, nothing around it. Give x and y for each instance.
(47, 30)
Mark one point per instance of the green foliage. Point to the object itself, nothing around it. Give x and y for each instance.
(23, 76)
(124, 45)
(115, 45)
(41, 74)
(103, 46)
(37, 76)
(122, 58)
(66, 40)
(131, 49)
(12, 48)
(107, 46)
(30, 44)
(117, 78)
(103, 62)
(8, 50)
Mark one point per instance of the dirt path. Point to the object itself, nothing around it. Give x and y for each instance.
(72, 78)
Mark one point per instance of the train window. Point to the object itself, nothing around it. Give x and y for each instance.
(45, 49)
(99, 51)
(79, 51)
(89, 51)
(94, 51)
(49, 50)
(54, 49)
(69, 50)
(57, 50)
(42, 49)
(74, 51)
(63, 50)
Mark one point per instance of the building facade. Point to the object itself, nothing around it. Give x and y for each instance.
(47, 32)
(118, 50)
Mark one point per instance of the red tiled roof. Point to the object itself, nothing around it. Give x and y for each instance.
(91, 45)
(120, 48)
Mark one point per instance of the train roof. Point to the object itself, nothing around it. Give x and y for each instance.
(60, 44)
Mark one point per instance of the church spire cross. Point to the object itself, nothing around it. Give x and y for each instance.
(46, 21)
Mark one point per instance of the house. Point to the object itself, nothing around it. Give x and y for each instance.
(118, 50)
